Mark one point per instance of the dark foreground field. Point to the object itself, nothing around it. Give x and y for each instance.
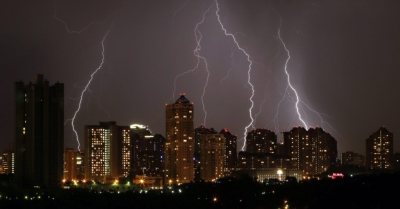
(363, 191)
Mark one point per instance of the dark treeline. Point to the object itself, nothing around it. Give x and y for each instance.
(377, 190)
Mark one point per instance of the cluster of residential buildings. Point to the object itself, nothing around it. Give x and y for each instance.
(113, 152)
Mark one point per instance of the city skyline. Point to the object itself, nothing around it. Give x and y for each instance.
(343, 62)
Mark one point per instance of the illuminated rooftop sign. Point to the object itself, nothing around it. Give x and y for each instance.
(337, 175)
(139, 126)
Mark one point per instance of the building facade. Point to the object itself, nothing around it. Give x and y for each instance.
(213, 158)
(379, 150)
(80, 166)
(39, 133)
(150, 159)
(148, 151)
(313, 151)
(179, 143)
(70, 164)
(352, 158)
(296, 146)
(107, 151)
(260, 150)
(253, 161)
(230, 151)
(261, 141)
(8, 160)
(277, 173)
(324, 150)
(198, 133)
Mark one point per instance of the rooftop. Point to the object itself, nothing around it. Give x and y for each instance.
(182, 99)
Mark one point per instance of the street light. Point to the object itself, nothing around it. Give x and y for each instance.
(141, 183)
(280, 174)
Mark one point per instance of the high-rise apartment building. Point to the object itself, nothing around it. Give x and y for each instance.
(255, 160)
(313, 151)
(352, 158)
(70, 164)
(324, 150)
(260, 150)
(379, 153)
(80, 167)
(198, 133)
(282, 159)
(297, 146)
(212, 159)
(148, 153)
(230, 151)
(107, 151)
(140, 130)
(39, 133)
(8, 159)
(261, 141)
(179, 143)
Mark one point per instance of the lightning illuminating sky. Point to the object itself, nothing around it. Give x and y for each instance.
(343, 63)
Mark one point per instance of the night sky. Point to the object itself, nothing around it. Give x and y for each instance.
(345, 59)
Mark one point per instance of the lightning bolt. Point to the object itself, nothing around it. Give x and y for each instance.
(200, 58)
(230, 69)
(259, 112)
(232, 63)
(276, 120)
(87, 86)
(297, 100)
(269, 71)
(291, 99)
(173, 19)
(288, 76)
(248, 75)
(91, 76)
(66, 25)
(320, 117)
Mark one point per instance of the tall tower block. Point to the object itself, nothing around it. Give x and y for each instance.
(39, 133)
(379, 150)
(179, 143)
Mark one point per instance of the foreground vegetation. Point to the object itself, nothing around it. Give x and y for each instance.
(361, 191)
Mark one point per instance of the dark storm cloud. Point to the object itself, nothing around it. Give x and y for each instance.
(344, 62)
